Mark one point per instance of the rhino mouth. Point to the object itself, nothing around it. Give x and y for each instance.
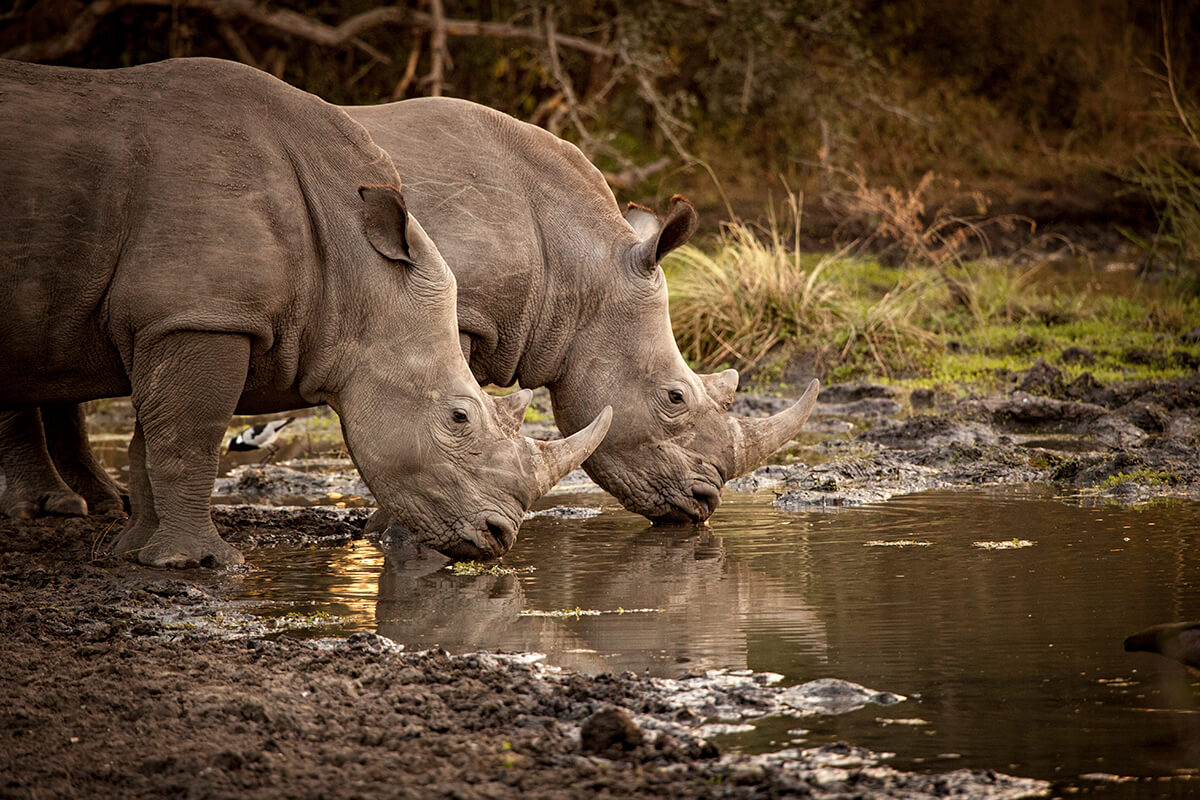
(491, 536)
(694, 507)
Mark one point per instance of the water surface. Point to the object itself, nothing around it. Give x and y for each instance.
(1012, 658)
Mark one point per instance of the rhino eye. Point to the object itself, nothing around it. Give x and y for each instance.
(675, 396)
(459, 415)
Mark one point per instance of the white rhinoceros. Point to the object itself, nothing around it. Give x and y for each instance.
(211, 240)
(559, 287)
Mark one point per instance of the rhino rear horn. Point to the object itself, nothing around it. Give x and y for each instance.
(756, 439)
(555, 459)
(510, 410)
(721, 386)
(386, 219)
(657, 241)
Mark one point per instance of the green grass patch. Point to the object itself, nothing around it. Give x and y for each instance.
(1142, 476)
(753, 301)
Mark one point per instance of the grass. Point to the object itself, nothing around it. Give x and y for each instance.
(753, 301)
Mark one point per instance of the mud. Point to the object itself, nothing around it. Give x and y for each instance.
(1125, 443)
(132, 682)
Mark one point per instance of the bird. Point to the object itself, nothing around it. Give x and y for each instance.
(256, 437)
(1177, 640)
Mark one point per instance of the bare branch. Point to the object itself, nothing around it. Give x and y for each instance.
(291, 23)
(437, 48)
(241, 51)
(410, 69)
(629, 178)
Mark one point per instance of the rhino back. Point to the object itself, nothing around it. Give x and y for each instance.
(189, 194)
(519, 215)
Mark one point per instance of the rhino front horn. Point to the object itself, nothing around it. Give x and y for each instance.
(756, 439)
(555, 459)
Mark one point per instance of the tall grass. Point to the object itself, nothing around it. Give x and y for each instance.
(755, 297)
(753, 300)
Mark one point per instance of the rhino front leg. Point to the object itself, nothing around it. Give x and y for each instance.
(31, 483)
(185, 389)
(66, 437)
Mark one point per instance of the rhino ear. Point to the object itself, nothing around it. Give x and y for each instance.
(386, 219)
(659, 239)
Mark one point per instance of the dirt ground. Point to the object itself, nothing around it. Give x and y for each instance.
(116, 684)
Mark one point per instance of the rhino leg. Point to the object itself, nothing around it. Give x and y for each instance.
(142, 519)
(66, 438)
(31, 483)
(185, 389)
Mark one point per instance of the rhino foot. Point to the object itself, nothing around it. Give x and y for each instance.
(106, 504)
(181, 551)
(67, 504)
(21, 506)
(132, 539)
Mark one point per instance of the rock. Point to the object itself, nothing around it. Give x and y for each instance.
(1042, 379)
(609, 730)
(1077, 355)
(925, 430)
(1149, 416)
(866, 408)
(1085, 388)
(850, 392)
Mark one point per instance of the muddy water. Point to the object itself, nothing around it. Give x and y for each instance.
(1012, 658)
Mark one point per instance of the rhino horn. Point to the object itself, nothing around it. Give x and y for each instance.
(721, 386)
(510, 410)
(555, 459)
(756, 439)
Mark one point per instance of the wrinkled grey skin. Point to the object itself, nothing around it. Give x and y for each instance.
(560, 287)
(206, 238)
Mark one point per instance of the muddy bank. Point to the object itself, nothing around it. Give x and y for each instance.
(1124, 443)
(128, 681)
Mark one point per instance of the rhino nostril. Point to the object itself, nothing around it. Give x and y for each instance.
(707, 499)
(502, 533)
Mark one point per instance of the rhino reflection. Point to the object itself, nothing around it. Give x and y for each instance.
(704, 599)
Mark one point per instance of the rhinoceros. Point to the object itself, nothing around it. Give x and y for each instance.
(209, 239)
(559, 286)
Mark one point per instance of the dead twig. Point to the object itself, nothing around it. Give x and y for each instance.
(291, 23)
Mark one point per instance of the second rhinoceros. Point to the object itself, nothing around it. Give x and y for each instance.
(211, 240)
(560, 287)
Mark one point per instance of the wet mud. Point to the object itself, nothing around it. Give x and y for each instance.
(128, 681)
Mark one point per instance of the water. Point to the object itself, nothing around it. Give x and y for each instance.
(1012, 659)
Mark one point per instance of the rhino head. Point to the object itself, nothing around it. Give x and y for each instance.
(442, 457)
(672, 446)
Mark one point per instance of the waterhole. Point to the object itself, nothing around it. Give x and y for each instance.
(1000, 613)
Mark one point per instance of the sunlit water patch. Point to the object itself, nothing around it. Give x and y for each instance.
(1011, 656)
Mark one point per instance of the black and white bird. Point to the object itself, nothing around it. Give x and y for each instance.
(256, 437)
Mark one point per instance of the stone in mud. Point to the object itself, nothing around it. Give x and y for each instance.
(564, 512)
(1149, 416)
(1085, 388)
(849, 392)
(866, 408)
(1042, 379)
(609, 730)
(927, 430)
(830, 696)
(1077, 355)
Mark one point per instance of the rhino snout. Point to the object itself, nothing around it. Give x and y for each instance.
(695, 505)
(490, 536)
